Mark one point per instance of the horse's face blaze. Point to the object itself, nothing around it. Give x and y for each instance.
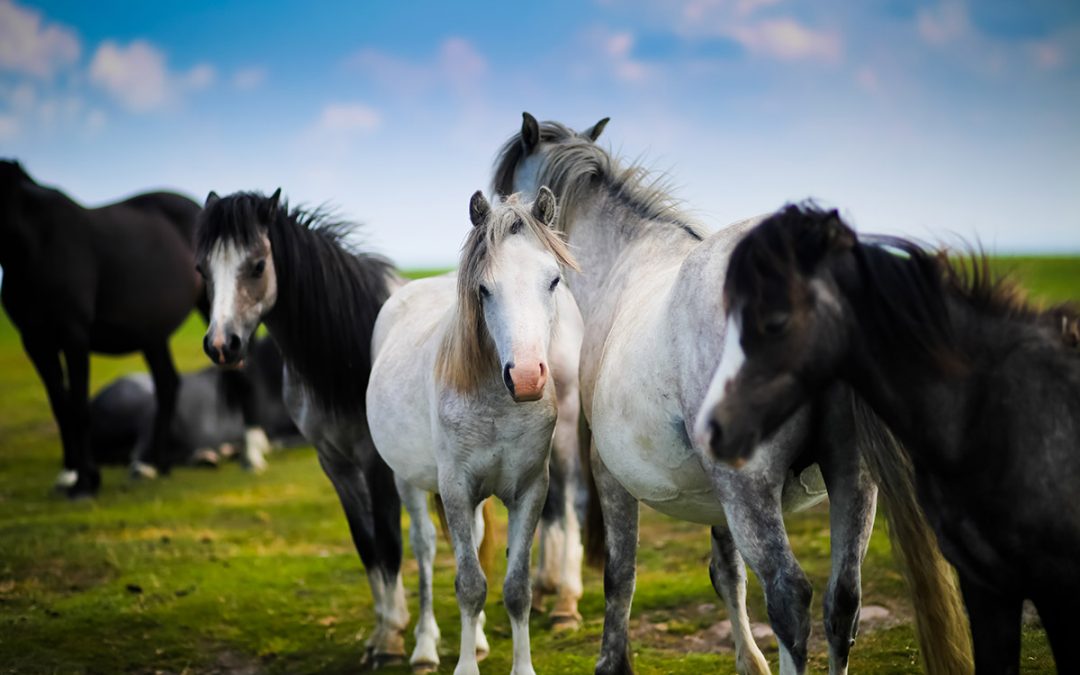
(242, 288)
(785, 338)
(520, 310)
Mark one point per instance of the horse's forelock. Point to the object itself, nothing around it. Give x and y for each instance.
(467, 348)
(236, 219)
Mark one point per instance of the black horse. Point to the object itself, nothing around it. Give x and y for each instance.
(319, 299)
(982, 390)
(210, 414)
(114, 280)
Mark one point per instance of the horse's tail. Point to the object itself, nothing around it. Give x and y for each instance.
(940, 619)
(593, 528)
(486, 553)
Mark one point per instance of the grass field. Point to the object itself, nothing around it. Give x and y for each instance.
(213, 571)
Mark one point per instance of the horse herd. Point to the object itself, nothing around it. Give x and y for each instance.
(594, 334)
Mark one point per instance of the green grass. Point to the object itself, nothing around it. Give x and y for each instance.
(222, 571)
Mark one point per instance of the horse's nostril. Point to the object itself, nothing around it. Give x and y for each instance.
(543, 369)
(234, 342)
(716, 434)
(506, 377)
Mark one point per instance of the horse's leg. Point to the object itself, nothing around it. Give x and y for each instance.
(728, 574)
(78, 369)
(852, 501)
(551, 544)
(386, 512)
(757, 525)
(995, 628)
(469, 583)
(166, 388)
(46, 360)
(425, 656)
(240, 392)
(620, 543)
(482, 646)
(356, 496)
(566, 455)
(524, 514)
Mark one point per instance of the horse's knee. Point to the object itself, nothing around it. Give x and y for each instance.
(788, 599)
(471, 588)
(842, 610)
(517, 596)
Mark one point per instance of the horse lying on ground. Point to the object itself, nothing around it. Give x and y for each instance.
(981, 389)
(462, 402)
(112, 280)
(210, 418)
(653, 336)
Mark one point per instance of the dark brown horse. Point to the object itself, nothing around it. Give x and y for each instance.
(114, 280)
(981, 388)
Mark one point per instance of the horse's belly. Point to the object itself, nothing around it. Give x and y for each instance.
(657, 467)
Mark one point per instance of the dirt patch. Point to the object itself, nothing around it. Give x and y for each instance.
(683, 630)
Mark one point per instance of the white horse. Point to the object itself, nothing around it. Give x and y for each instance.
(649, 290)
(460, 403)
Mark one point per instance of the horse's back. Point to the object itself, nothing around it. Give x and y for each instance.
(400, 392)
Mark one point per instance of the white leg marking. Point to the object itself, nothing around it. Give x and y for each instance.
(256, 445)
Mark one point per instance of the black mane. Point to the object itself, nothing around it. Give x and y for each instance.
(328, 294)
(904, 285)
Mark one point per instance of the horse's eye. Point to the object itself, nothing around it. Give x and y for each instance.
(258, 269)
(484, 292)
(554, 283)
(776, 323)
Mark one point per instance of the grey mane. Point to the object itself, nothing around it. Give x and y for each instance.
(574, 166)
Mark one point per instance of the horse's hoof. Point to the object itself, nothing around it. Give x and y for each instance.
(481, 654)
(387, 660)
(206, 457)
(65, 479)
(86, 487)
(564, 623)
(425, 666)
(142, 471)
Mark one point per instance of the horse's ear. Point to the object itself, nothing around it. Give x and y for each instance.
(838, 236)
(272, 205)
(530, 132)
(593, 132)
(479, 209)
(544, 207)
(211, 199)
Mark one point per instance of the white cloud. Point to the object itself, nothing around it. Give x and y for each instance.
(348, 119)
(247, 79)
(457, 63)
(31, 47)
(787, 40)
(947, 23)
(137, 76)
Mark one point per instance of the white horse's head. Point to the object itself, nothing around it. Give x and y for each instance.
(510, 272)
(523, 161)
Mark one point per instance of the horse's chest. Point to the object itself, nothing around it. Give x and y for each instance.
(499, 447)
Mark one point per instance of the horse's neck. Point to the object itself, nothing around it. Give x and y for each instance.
(612, 244)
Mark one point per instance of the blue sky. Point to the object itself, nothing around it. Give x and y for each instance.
(932, 118)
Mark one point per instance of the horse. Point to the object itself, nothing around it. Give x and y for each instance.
(115, 279)
(653, 337)
(981, 389)
(293, 270)
(209, 418)
(462, 403)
